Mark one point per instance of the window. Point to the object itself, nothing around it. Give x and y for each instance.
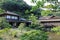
(16, 17)
(8, 17)
(13, 17)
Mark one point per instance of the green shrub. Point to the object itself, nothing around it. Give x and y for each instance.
(4, 31)
(56, 29)
(21, 27)
(13, 33)
(34, 35)
(4, 23)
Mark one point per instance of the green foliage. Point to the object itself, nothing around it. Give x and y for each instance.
(56, 29)
(46, 13)
(21, 27)
(26, 14)
(7, 34)
(33, 18)
(1, 11)
(13, 33)
(36, 11)
(5, 30)
(27, 11)
(15, 6)
(35, 23)
(34, 1)
(4, 23)
(50, 6)
(34, 8)
(40, 3)
(34, 35)
(28, 29)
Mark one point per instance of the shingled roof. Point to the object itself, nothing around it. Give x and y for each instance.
(49, 18)
(9, 13)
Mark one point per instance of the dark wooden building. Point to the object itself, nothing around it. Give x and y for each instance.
(50, 21)
(14, 19)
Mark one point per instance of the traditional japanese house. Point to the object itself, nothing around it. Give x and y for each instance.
(14, 19)
(50, 21)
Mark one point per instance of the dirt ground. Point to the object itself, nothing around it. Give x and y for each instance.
(54, 36)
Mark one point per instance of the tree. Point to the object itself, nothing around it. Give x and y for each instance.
(33, 18)
(15, 6)
(36, 11)
(35, 24)
(39, 4)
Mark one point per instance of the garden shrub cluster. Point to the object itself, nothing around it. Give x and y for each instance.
(4, 23)
(34, 35)
(56, 30)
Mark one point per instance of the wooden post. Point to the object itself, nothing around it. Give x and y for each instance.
(14, 24)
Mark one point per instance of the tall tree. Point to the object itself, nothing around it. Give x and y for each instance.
(15, 6)
(36, 9)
